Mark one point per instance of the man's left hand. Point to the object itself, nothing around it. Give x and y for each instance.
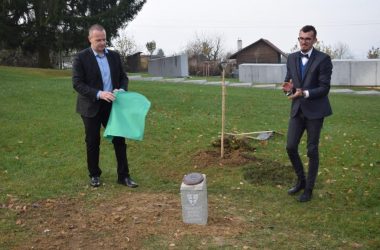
(298, 93)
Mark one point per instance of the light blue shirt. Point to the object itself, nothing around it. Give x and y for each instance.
(105, 71)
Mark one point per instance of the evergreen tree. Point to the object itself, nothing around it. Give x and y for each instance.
(44, 26)
(151, 47)
(160, 53)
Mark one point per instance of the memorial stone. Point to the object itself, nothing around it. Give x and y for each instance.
(194, 199)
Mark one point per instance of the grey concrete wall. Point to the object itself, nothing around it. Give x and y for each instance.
(356, 72)
(345, 73)
(174, 66)
(341, 73)
(262, 73)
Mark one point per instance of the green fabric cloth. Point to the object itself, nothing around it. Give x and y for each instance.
(127, 118)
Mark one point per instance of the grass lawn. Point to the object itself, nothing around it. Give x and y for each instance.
(42, 160)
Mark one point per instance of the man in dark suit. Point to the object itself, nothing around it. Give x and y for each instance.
(307, 84)
(97, 74)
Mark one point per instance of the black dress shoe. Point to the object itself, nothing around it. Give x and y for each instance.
(95, 181)
(296, 188)
(127, 181)
(306, 196)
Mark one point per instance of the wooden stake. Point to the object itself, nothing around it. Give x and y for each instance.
(223, 114)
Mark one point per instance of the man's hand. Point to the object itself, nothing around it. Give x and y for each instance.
(287, 86)
(106, 96)
(297, 94)
(118, 90)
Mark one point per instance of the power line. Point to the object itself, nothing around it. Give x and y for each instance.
(239, 26)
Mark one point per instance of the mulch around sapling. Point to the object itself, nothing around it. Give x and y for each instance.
(239, 152)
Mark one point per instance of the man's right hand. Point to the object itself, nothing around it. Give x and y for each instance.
(106, 96)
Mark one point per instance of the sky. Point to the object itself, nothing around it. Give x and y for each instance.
(172, 24)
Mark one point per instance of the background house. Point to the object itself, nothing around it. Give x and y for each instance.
(261, 51)
(138, 62)
(133, 62)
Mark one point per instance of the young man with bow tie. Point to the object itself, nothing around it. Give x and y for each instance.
(307, 84)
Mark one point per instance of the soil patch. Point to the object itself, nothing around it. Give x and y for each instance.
(268, 172)
(237, 152)
(121, 223)
(209, 158)
(136, 220)
(255, 171)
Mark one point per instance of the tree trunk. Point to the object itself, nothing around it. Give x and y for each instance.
(44, 58)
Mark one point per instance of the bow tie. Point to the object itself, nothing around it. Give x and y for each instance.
(305, 55)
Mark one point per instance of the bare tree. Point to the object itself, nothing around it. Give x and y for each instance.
(217, 52)
(205, 48)
(124, 44)
(295, 48)
(373, 53)
(339, 51)
(205, 53)
(194, 49)
(342, 51)
(328, 49)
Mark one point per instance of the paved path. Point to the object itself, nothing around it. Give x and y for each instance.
(242, 84)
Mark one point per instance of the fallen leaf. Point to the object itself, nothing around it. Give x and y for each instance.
(356, 245)
(121, 208)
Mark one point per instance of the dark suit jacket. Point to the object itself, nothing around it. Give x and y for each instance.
(316, 80)
(87, 79)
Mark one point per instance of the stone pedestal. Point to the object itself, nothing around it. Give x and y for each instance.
(194, 202)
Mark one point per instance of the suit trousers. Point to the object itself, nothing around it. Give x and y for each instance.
(297, 126)
(92, 126)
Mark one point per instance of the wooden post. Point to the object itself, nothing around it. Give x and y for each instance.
(223, 114)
